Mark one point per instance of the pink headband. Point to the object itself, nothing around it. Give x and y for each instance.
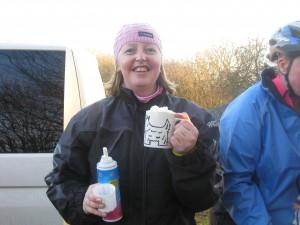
(137, 32)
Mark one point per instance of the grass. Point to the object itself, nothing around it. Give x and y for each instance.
(202, 218)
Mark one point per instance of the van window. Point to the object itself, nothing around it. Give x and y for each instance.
(31, 100)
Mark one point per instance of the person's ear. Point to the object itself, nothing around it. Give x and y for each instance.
(283, 64)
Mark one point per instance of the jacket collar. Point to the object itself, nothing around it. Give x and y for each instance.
(129, 97)
(267, 76)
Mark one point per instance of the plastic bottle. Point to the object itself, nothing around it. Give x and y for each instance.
(108, 172)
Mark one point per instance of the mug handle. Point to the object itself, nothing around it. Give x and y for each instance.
(183, 115)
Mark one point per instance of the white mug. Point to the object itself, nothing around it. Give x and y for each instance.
(107, 192)
(159, 127)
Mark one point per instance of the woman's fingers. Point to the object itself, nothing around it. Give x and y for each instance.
(185, 134)
(92, 203)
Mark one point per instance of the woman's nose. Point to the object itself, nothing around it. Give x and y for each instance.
(140, 56)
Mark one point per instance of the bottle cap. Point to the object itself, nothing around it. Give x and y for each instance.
(105, 157)
(106, 161)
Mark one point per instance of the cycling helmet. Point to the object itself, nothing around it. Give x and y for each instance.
(285, 40)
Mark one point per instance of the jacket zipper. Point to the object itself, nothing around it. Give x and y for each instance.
(144, 191)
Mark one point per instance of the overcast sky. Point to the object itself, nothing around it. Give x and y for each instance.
(186, 26)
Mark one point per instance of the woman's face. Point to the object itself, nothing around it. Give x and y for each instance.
(294, 73)
(294, 76)
(140, 65)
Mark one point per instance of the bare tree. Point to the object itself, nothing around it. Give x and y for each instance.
(231, 69)
(106, 66)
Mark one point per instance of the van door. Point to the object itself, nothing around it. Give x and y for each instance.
(40, 90)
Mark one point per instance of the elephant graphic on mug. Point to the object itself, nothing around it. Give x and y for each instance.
(155, 134)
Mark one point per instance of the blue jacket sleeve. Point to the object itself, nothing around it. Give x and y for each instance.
(240, 148)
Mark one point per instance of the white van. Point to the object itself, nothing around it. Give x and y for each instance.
(41, 88)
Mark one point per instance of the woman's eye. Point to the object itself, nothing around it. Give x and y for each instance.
(129, 51)
(151, 50)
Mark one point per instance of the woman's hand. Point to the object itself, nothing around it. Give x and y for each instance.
(185, 135)
(92, 202)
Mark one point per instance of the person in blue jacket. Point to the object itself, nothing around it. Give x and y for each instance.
(260, 140)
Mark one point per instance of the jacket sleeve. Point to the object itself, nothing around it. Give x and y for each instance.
(194, 175)
(68, 181)
(240, 147)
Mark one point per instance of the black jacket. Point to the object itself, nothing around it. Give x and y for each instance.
(157, 187)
